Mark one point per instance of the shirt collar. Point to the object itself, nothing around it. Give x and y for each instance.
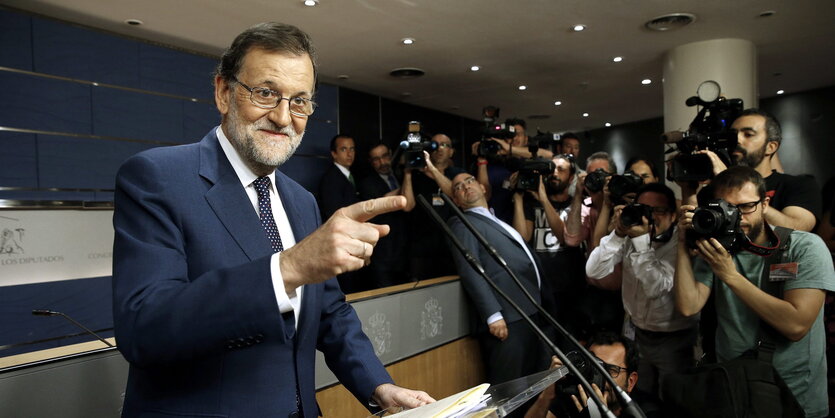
(345, 170)
(245, 175)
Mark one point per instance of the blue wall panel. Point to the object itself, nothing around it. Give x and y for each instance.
(307, 171)
(67, 162)
(18, 160)
(317, 138)
(169, 71)
(83, 54)
(15, 40)
(45, 104)
(125, 114)
(198, 119)
(327, 101)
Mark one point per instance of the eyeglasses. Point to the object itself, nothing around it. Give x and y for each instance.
(269, 99)
(660, 210)
(460, 185)
(386, 156)
(443, 145)
(750, 207)
(613, 370)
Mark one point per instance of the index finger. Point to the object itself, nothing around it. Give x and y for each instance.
(365, 210)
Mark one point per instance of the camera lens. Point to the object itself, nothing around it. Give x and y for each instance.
(706, 222)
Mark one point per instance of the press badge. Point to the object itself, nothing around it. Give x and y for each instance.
(437, 200)
(782, 272)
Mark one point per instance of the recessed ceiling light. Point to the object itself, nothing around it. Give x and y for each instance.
(646, 81)
(557, 103)
(617, 59)
(523, 87)
(407, 41)
(780, 91)
(607, 124)
(585, 115)
(343, 76)
(767, 13)
(134, 22)
(475, 68)
(578, 28)
(311, 3)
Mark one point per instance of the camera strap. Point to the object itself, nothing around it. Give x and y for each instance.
(762, 251)
(664, 236)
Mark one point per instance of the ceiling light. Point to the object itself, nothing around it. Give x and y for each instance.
(523, 87)
(407, 41)
(311, 3)
(617, 59)
(607, 124)
(646, 81)
(557, 103)
(579, 28)
(134, 22)
(585, 115)
(475, 68)
(767, 13)
(780, 91)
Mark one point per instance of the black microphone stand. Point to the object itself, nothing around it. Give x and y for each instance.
(537, 330)
(630, 407)
(46, 312)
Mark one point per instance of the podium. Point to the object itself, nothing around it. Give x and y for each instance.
(496, 401)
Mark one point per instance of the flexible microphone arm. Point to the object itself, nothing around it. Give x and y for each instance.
(46, 312)
(537, 330)
(626, 402)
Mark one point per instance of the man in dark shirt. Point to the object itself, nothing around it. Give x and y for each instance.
(796, 198)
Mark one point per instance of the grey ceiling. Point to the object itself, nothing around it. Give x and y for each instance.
(515, 42)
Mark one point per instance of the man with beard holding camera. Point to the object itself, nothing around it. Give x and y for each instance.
(737, 279)
(639, 257)
(540, 218)
(794, 200)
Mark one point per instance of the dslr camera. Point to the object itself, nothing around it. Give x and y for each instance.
(632, 215)
(718, 219)
(567, 386)
(622, 185)
(414, 143)
(596, 180)
(710, 130)
(531, 171)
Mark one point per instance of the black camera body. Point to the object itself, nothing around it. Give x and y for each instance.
(717, 219)
(567, 386)
(414, 144)
(544, 140)
(488, 148)
(710, 130)
(596, 180)
(622, 185)
(632, 215)
(531, 171)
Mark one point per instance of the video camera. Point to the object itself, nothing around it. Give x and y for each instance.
(544, 140)
(531, 171)
(622, 185)
(414, 144)
(710, 130)
(718, 219)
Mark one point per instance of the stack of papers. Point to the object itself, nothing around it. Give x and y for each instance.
(458, 405)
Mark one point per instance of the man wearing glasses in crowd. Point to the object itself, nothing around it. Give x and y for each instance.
(736, 280)
(223, 284)
(639, 257)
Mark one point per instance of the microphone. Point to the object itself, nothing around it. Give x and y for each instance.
(47, 312)
(628, 405)
(537, 330)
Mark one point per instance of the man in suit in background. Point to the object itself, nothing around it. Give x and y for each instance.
(338, 188)
(222, 275)
(389, 263)
(509, 346)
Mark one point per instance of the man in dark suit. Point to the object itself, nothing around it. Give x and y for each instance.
(338, 188)
(389, 263)
(509, 346)
(222, 288)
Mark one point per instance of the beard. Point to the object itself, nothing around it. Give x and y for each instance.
(555, 186)
(385, 169)
(750, 160)
(258, 150)
(755, 230)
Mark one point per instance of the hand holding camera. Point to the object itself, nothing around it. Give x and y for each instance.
(632, 220)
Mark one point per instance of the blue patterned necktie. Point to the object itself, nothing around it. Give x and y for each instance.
(392, 182)
(265, 212)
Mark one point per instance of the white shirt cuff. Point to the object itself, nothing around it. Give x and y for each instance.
(641, 243)
(495, 317)
(284, 304)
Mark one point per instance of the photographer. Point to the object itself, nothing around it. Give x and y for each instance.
(805, 272)
(618, 190)
(639, 257)
(539, 216)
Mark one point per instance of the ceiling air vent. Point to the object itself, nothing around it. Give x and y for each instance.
(407, 73)
(670, 22)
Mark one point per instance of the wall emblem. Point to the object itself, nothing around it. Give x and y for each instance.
(431, 319)
(379, 333)
(11, 239)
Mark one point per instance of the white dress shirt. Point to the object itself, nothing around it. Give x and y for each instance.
(515, 234)
(647, 279)
(286, 302)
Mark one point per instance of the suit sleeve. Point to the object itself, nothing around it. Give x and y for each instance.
(479, 291)
(161, 315)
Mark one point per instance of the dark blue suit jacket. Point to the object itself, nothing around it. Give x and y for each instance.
(335, 192)
(194, 307)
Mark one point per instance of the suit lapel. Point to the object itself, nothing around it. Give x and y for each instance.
(493, 224)
(229, 201)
